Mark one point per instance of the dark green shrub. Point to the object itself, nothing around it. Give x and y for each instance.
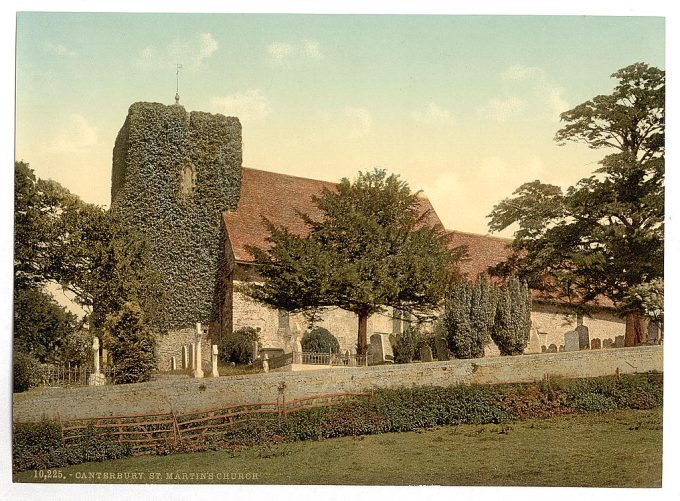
(592, 402)
(132, 344)
(512, 321)
(319, 340)
(407, 345)
(26, 370)
(39, 446)
(237, 347)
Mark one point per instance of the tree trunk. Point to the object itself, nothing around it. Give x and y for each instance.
(361, 336)
(635, 334)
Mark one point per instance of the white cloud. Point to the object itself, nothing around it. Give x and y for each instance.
(361, 122)
(431, 113)
(76, 134)
(557, 103)
(250, 105)
(503, 110)
(208, 46)
(280, 52)
(286, 53)
(522, 72)
(189, 52)
(311, 49)
(60, 50)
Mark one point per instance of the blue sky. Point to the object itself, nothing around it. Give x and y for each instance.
(463, 107)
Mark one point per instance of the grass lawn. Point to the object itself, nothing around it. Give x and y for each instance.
(617, 449)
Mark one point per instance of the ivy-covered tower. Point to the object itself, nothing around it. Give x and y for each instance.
(174, 174)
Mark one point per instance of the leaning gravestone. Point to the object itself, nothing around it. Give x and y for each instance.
(442, 349)
(607, 343)
(381, 349)
(583, 337)
(425, 354)
(618, 342)
(595, 344)
(552, 348)
(571, 341)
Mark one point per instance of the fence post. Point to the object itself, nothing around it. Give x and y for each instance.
(61, 427)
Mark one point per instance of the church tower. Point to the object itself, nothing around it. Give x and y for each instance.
(174, 174)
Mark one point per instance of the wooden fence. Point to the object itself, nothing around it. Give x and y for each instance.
(146, 432)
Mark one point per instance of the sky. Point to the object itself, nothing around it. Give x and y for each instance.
(464, 108)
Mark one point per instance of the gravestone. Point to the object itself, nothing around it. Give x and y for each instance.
(552, 348)
(381, 348)
(173, 363)
(607, 343)
(618, 342)
(185, 358)
(426, 354)
(105, 356)
(560, 349)
(442, 349)
(265, 363)
(534, 344)
(583, 337)
(256, 351)
(571, 341)
(192, 356)
(213, 370)
(544, 349)
(595, 344)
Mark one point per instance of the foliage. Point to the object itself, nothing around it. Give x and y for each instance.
(154, 146)
(512, 322)
(647, 297)
(41, 326)
(372, 247)
(468, 317)
(25, 369)
(237, 347)
(606, 233)
(37, 446)
(81, 247)
(77, 348)
(407, 345)
(319, 340)
(131, 343)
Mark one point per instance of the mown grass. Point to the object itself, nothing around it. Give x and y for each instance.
(615, 449)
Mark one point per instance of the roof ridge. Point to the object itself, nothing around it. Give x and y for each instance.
(504, 239)
(289, 175)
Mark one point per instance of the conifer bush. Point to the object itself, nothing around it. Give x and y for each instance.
(237, 347)
(319, 340)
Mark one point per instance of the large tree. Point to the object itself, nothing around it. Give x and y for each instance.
(371, 248)
(606, 233)
(59, 238)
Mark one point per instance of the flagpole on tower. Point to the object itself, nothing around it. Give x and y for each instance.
(179, 67)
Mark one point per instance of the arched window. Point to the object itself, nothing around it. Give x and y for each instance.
(188, 180)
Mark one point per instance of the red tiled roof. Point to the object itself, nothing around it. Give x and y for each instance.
(279, 198)
(483, 252)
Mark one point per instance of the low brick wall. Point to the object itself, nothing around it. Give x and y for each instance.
(183, 394)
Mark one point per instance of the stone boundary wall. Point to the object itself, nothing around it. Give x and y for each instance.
(184, 394)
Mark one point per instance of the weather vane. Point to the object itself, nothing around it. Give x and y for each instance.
(179, 67)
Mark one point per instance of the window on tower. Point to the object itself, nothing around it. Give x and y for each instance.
(188, 180)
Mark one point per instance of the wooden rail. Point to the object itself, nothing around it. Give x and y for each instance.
(146, 432)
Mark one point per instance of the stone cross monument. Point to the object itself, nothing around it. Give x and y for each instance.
(198, 369)
(96, 378)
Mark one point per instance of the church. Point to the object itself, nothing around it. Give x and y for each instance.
(178, 179)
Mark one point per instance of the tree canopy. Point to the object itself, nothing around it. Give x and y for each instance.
(606, 233)
(82, 247)
(370, 249)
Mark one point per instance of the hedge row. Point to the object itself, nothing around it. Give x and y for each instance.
(37, 446)
(390, 410)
